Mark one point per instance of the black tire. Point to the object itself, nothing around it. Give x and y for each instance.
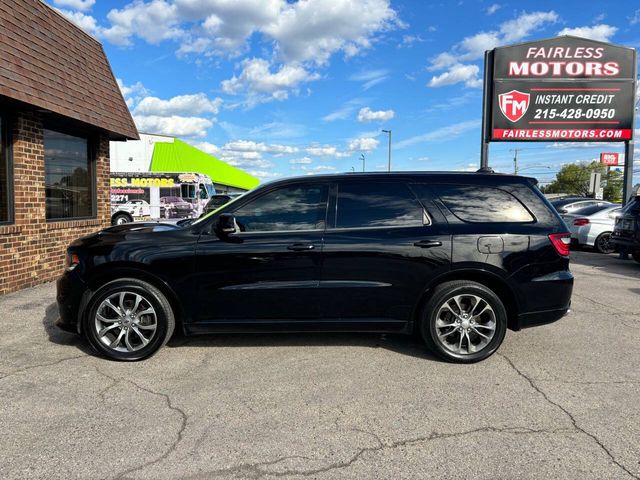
(602, 243)
(636, 255)
(165, 320)
(121, 219)
(448, 290)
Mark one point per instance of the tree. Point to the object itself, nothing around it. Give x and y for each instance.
(573, 179)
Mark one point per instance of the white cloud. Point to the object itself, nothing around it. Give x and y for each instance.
(226, 25)
(209, 148)
(345, 111)
(195, 104)
(473, 47)
(601, 32)
(441, 134)
(82, 5)
(152, 21)
(635, 18)
(173, 125)
(251, 146)
(132, 93)
(313, 30)
(300, 161)
(370, 78)
(493, 8)
(325, 151)
(319, 169)
(367, 115)
(264, 175)
(261, 85)
(409, 40)
(304, 31)
(82, 20)
(458, 73)
(524, 25)
(363, 144)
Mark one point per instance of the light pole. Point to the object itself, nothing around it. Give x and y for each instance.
(362, 158)
(389, 132)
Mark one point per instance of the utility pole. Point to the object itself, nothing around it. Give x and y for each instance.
(362, 158)
(515, 160)
(389, 133)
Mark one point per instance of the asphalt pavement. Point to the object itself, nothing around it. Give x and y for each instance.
(558, 401)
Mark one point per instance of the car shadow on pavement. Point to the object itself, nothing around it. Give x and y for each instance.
(60, 337)
(404, 344)
(611, 263)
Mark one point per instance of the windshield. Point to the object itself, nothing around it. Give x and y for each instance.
(632, 207)
(210, 190)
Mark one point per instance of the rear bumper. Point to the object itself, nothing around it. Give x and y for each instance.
(533, 319)
(628, 242)
(551, 294)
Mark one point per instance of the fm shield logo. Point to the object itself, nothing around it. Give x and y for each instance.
(513, 104)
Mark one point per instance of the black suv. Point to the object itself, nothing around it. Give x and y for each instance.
(626, 231)
(457, 258)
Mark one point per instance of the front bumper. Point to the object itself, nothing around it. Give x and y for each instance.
(70, 294)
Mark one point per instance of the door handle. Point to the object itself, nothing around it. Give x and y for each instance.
(428, 243)
(300, 247)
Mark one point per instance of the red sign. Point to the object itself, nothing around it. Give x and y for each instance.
(609, 158)
(513, 104)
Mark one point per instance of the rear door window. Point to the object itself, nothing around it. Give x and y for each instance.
(370, 205)
(480, 204)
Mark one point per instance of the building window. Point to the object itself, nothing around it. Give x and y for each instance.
(69, 180)
(5, 173)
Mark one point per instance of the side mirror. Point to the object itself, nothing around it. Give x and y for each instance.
(226, 224)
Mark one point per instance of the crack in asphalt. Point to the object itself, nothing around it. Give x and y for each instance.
(568, 414)
(183, 425)
(605, 305)
(256, 471)
(41, 365)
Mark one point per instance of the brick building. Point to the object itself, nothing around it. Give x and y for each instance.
(60, 106)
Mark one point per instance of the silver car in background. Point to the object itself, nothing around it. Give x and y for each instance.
(592, 226)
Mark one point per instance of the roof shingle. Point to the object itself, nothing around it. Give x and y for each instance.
(52, 64)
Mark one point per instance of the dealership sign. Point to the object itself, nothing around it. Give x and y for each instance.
(610, 159)
(561, 89)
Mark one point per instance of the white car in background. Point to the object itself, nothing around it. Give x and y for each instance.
(129, 211)
(592, 226)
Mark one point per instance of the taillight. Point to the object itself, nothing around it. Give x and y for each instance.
(561, 241)
(578, 222)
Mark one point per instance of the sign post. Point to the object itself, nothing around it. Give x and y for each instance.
(565, 89)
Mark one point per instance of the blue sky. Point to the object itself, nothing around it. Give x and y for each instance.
(284, 88)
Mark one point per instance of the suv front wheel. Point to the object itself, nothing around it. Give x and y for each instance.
(128, 319)
(464, 322)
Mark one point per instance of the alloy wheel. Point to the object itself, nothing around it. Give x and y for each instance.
(465, 324)
(126, 321)
(604, 243)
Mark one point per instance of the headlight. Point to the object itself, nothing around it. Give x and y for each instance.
(72, 261)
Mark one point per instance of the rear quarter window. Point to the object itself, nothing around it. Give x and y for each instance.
(480, 204)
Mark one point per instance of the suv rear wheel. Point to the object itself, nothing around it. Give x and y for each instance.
(128, 319)
(464, 322)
